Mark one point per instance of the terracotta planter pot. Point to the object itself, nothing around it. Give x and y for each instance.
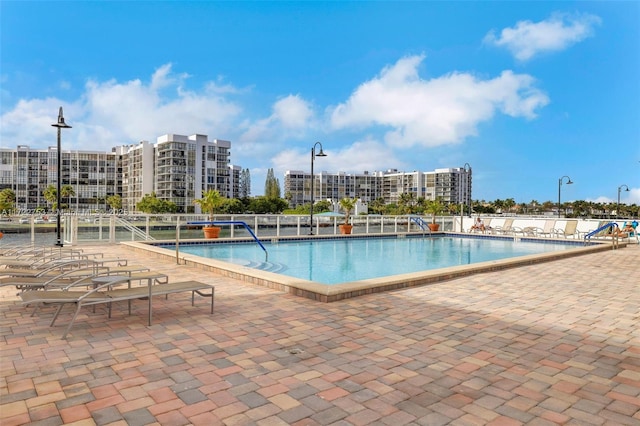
(434, 227)
(345, 229)
(211, 231)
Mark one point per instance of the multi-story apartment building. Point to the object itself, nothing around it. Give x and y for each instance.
(136, 165)
(177, 168)
(451, 185)
(29, 172)
(181, 168)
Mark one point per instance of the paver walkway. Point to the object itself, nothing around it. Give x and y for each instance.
(554, 343)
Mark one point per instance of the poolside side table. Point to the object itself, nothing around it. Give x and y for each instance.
(111, 280)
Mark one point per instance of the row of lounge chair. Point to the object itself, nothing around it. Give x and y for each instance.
(548, 230)
(74, 278)
(552, 228)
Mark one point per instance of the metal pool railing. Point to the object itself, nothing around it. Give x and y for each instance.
(103, 228)
(78, 229)
(222, 222)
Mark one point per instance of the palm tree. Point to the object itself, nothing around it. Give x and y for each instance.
(435, 207)
(377, 206)
(407, 202)
(210, 202)
(347, 205)
(51, 195)
(509, 204)
(67, 192)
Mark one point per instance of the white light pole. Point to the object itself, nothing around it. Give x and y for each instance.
(60, 125)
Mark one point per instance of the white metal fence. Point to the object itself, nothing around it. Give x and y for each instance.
(116, 228)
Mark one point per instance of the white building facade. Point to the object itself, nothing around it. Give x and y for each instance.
(452, 185)
(92, 175)
(177, 168)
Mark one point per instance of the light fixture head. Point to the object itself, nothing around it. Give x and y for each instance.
(61, 124)
(321, 153)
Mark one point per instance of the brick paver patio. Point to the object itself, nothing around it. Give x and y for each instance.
(553, 343)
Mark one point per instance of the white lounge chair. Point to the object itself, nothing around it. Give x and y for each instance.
(570, 230)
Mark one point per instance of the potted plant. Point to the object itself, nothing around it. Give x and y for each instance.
(435, 207)
(347, 204)
(209, 203)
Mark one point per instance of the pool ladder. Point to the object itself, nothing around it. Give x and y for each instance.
(421, 223)
(228, 222)
(614, 238)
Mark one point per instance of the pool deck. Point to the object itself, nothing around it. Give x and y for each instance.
(541, 344)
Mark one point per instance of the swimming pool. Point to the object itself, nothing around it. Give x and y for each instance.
(336, 292)
(336, 261)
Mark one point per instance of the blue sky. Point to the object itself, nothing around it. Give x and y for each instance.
(524, 92)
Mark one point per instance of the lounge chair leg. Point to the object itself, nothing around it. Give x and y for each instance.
(55, 316)
(75, 314)
(213, 291)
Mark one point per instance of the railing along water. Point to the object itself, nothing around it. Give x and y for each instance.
(113, 228)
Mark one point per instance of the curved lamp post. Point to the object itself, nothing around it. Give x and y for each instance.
(313, 156)
(60, 125)
(559, 186)
(467, 201)
(618, 205)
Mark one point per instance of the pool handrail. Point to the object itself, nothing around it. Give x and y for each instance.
(234, 222)
(420, 222)
(600, 229)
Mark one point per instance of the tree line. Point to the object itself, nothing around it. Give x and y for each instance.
(273, 203)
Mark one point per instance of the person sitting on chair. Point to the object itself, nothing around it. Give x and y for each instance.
(626, 230)
(478, 225)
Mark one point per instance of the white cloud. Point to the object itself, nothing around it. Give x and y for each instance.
(291, 116)
(140, 111)
(438, 111)
(366, 155)
(111, 113)
(293, 112)
(630, 197)
(29, 122)
(626, 197)
(633, 197)
(528, 39)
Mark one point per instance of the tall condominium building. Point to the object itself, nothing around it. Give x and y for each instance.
(92, 175)
(451, 185)
(137, 172)
(177, 168)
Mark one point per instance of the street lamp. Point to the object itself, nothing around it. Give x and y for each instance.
(60, 125)
(618, 205)
(559, 186)
(467, 201)
(313, 156)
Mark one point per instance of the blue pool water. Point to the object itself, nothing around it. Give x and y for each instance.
(353, 259)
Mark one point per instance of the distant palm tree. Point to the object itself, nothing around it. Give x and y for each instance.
(51, 195)
(67, 192)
